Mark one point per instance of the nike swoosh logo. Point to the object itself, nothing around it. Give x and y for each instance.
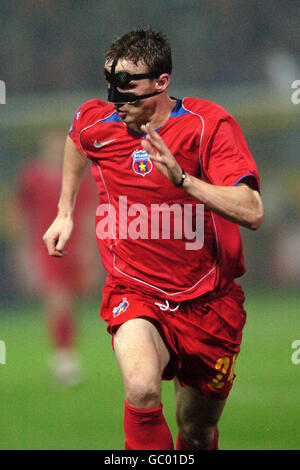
(101, 144)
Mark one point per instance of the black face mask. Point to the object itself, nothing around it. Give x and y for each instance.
(122, 80)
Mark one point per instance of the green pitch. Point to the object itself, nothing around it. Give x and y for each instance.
(262, 412)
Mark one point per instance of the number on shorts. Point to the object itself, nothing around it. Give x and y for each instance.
(222, 365)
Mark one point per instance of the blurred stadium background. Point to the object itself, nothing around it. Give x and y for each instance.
(243, 55)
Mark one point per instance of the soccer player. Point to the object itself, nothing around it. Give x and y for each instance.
(56, 283)
(175, 178)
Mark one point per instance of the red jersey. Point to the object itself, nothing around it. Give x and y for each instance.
(154, 235)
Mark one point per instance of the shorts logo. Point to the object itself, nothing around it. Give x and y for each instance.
(121, 308)
(141, 164)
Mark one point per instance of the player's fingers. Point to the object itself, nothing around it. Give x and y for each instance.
(54, 252)
(147, 146)
(154, 138)
(51, 245)
(61, 242)
(151, 131)
(152, 152)
(58, 254)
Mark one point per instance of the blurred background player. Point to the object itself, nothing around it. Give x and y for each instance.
(57, 282)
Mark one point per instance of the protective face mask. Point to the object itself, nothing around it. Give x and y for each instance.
(122, 80)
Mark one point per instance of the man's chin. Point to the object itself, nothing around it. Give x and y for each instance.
(127, 118)
(121, 113)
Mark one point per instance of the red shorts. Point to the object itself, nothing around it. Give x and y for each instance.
(203, 336)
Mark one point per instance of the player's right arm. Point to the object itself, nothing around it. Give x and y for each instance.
(60, 231)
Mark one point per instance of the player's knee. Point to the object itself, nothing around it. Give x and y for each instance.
(142, 393)
(197, 436)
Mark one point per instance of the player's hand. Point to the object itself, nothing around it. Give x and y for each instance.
(161, 156)
(57, 235)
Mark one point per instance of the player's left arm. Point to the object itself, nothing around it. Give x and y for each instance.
(241, 204)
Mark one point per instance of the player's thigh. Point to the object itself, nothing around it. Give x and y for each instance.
(194, 411)
(140, 350)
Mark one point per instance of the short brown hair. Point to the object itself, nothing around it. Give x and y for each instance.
(147, 46)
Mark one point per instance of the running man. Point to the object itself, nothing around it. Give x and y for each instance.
(176, 179)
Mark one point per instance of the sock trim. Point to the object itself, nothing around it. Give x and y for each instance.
(143, 411)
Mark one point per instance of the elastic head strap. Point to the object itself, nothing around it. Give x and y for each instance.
(137, 76)
(117, 97)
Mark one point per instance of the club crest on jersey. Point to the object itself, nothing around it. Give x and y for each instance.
(141, 164)
(121, 308)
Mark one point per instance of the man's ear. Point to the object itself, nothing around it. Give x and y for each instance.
(162, 82)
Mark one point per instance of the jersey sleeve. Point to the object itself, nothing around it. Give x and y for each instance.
(227, 159)
(83, 116)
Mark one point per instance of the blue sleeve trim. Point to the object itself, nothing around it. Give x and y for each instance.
(246, 176)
